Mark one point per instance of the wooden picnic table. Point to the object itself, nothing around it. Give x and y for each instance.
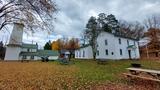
(143, 70)
(136, 72)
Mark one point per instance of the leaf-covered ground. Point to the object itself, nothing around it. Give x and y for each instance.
(80, 75)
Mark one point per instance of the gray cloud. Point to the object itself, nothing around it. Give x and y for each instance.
(74, 14)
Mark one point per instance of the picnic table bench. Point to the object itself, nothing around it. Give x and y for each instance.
(136, 72)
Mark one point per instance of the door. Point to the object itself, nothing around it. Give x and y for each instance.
(129, 53)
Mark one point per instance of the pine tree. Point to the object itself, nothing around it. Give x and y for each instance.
(113, 23)
(103, 23)
(48, 46)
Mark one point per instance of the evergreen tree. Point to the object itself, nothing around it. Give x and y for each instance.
(113, 23)
(48, 46)
(107, 23)
(102, 23)
(101, 19)
(106, 28)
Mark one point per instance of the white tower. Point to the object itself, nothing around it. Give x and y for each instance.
(14, 47)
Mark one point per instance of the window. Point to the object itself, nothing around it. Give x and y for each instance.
(106, 42)
(121, 52)
(97, 53)
(112, 53)
(27, 50)
(134, 43)
(128, 42)
(106, 51)
(24, 57)
(32, 57)
(119, 41)
(79, 53)
(83, 53)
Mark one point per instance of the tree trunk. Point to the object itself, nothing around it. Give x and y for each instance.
(94, 53)
(94, 56)
(69, 57)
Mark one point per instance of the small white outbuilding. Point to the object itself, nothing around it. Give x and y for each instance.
(84, 52)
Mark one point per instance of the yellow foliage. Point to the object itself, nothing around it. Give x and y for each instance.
(55, 45)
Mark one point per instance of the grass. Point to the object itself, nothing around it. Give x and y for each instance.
(82, 75)
(111, 71)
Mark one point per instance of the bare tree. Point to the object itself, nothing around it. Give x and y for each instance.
(152, 24)
(91, 33)
(34, 14)
(133, 30)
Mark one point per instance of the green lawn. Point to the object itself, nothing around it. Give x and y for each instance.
(89, 72)
(83, 74)
(111, 71)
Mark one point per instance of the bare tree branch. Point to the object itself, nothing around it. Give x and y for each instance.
(33, 13)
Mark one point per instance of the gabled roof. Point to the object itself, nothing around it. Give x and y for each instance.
(30, 46)
(122, 36)
(14, 45)
(116, 34)
(48, 53)
(40, 53)
(28, 54)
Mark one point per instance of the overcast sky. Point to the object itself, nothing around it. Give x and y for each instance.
(73, 15)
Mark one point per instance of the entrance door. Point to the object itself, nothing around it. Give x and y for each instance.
(129, 53)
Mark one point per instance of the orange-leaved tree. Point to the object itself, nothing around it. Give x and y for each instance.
(153, 26)
(66, 44)
(71, 46)
(58, 45)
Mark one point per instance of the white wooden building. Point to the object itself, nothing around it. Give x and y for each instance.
(85, 52)
(111, 46)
